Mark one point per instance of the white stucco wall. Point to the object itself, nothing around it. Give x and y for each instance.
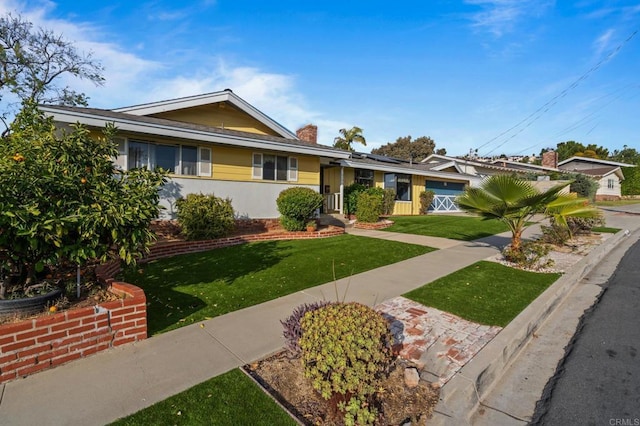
(256, 200)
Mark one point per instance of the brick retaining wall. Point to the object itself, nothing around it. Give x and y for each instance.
(37, 344)
(172, 248)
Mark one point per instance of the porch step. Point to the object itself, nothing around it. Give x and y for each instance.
(335, 219)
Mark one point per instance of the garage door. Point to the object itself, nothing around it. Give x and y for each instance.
(446, 193)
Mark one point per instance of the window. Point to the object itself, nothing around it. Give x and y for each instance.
(611, 183)
(167, 157)
(204, 161)
(121, 160)
(364, 177)
(274, 167)
(401, 183)
(189, 160)
(177, 159)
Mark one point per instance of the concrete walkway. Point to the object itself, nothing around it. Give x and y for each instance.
(121, 381)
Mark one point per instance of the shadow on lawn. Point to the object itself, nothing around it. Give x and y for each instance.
(160, 279)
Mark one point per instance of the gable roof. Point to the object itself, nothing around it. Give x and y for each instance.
(153, 126)
(594, 161)
(527, 166)
(599, 171)
(226, 95)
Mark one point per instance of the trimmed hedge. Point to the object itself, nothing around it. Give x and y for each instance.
(205, 217)
(297, 205)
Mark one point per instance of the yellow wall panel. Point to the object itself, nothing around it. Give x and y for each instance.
(236, 164)
(223, 115)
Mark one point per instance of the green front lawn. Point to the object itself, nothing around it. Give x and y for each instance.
(229, 399)
(485, 292)
(459, 227)
(188, 288)
(617, 203)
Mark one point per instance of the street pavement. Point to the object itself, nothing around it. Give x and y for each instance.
(598, 382)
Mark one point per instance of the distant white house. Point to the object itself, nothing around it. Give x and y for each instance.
(607, 173)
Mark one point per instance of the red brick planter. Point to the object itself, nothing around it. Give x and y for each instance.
(377, 225)
(37, 344)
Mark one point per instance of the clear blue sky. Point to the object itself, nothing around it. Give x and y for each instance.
(500, 76)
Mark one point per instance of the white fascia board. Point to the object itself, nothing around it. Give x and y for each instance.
(396, 169)
(596, 161)
(191, 134)
(174, 104)
(210, 98)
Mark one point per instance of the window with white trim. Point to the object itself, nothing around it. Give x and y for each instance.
(401, 183)
(274, 167)
(611, 183)
(363, 177)
(183, 160)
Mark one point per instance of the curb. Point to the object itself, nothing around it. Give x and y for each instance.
(460, 397)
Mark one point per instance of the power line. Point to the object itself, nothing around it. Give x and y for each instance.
(533, 117)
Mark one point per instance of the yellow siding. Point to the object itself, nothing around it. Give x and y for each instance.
(223, 115)
(332, 178)
(235, 164)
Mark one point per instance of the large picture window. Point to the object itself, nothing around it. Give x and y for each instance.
(401, 183)
(363, 177)
(175, 159)
(275, 167)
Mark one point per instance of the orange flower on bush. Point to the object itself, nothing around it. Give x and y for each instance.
(18, 158)
(83, 180)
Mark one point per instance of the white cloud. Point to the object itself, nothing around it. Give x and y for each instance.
(603, 42)
(502, 16)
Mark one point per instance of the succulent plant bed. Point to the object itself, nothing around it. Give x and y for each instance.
(397, 400)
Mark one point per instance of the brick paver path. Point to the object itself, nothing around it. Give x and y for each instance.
(438, 342)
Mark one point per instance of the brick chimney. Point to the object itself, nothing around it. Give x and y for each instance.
(308, 133)
(550, 159)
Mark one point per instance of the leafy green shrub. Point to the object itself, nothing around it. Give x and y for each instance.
(63, 200)
(555, 234)
(584, 186)
(205, 217)
(351, 193)
(388, 201)
(297, 205)
(558, 234)
(369, 206)
(631, 183)
(346, 350)
(292, 328)
(426, 198)
(530, 255)
(583, 224)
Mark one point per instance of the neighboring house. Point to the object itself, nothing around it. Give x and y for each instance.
(475, 168)
(406, 178)
(607, 173)
(212, 143)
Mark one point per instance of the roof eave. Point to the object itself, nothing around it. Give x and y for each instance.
(406, 170)
(93, 120)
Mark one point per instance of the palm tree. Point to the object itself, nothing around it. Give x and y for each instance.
(348, 137)
(514, 201)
